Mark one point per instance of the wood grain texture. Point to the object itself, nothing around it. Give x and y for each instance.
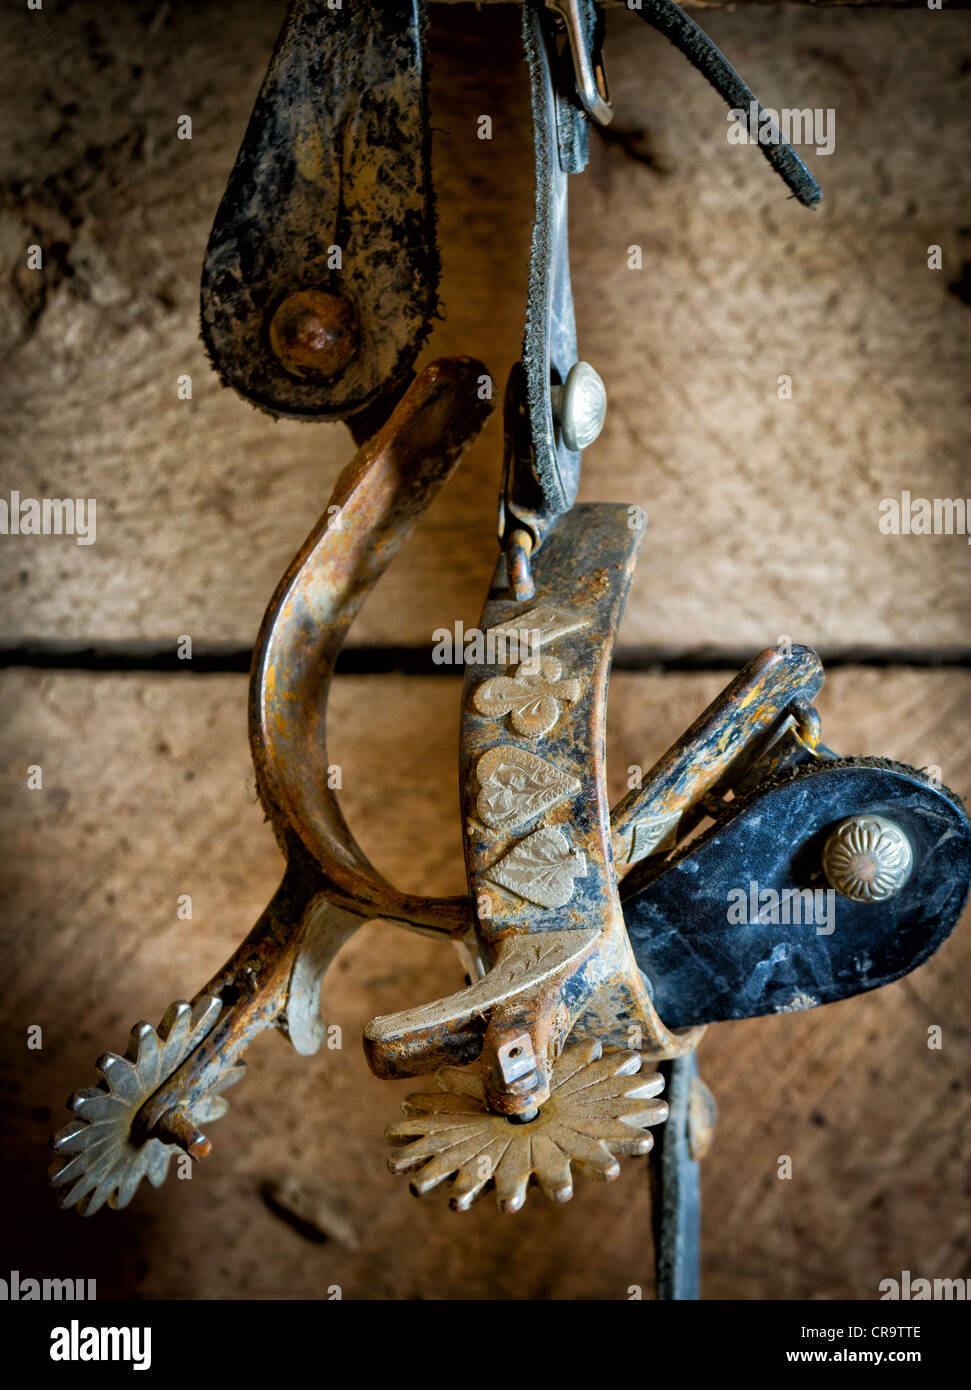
(762, 513)
(730, 4)
(762, 522)
(148, 794)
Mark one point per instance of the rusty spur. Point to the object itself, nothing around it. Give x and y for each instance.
(597, 940)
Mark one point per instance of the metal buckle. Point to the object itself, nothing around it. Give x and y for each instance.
(584, 33)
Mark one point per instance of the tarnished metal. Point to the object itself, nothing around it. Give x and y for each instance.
(314, 335)
(713, 753)
(518, 550)
(868, 858)
(374, 505)
(537, 831)
(594, 1115)
(154, 1099)
(591, 81)
(559, 961)
(102, 1156)
(591, 939)
(579, 406)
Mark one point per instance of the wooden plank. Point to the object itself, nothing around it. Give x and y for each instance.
(762, 512)
(147, 794)
(731, 4)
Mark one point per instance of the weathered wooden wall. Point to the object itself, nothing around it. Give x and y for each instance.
(762, 522)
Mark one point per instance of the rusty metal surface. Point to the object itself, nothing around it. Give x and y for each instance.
(335, 160)
(587, 972)
(375, 503)
(314, 335)
(328, 888)
(715, 750)
(537, 832)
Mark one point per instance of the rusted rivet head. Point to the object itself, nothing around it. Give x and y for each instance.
(313, 334)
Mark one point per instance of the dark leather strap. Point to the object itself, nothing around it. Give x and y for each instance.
(336, 155)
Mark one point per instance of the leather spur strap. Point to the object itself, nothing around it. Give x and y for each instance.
(547, 475)
(321, 271)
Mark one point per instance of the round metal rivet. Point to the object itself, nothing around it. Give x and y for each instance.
(313, 334)
(579, 406)
(868, 859)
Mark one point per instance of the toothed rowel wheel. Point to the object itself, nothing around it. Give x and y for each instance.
(599, 1107)
(99, 1158)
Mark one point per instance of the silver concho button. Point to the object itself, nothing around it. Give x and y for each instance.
(868, 859)
(580, 406)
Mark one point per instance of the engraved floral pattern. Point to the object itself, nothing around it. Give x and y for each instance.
(868, 859)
